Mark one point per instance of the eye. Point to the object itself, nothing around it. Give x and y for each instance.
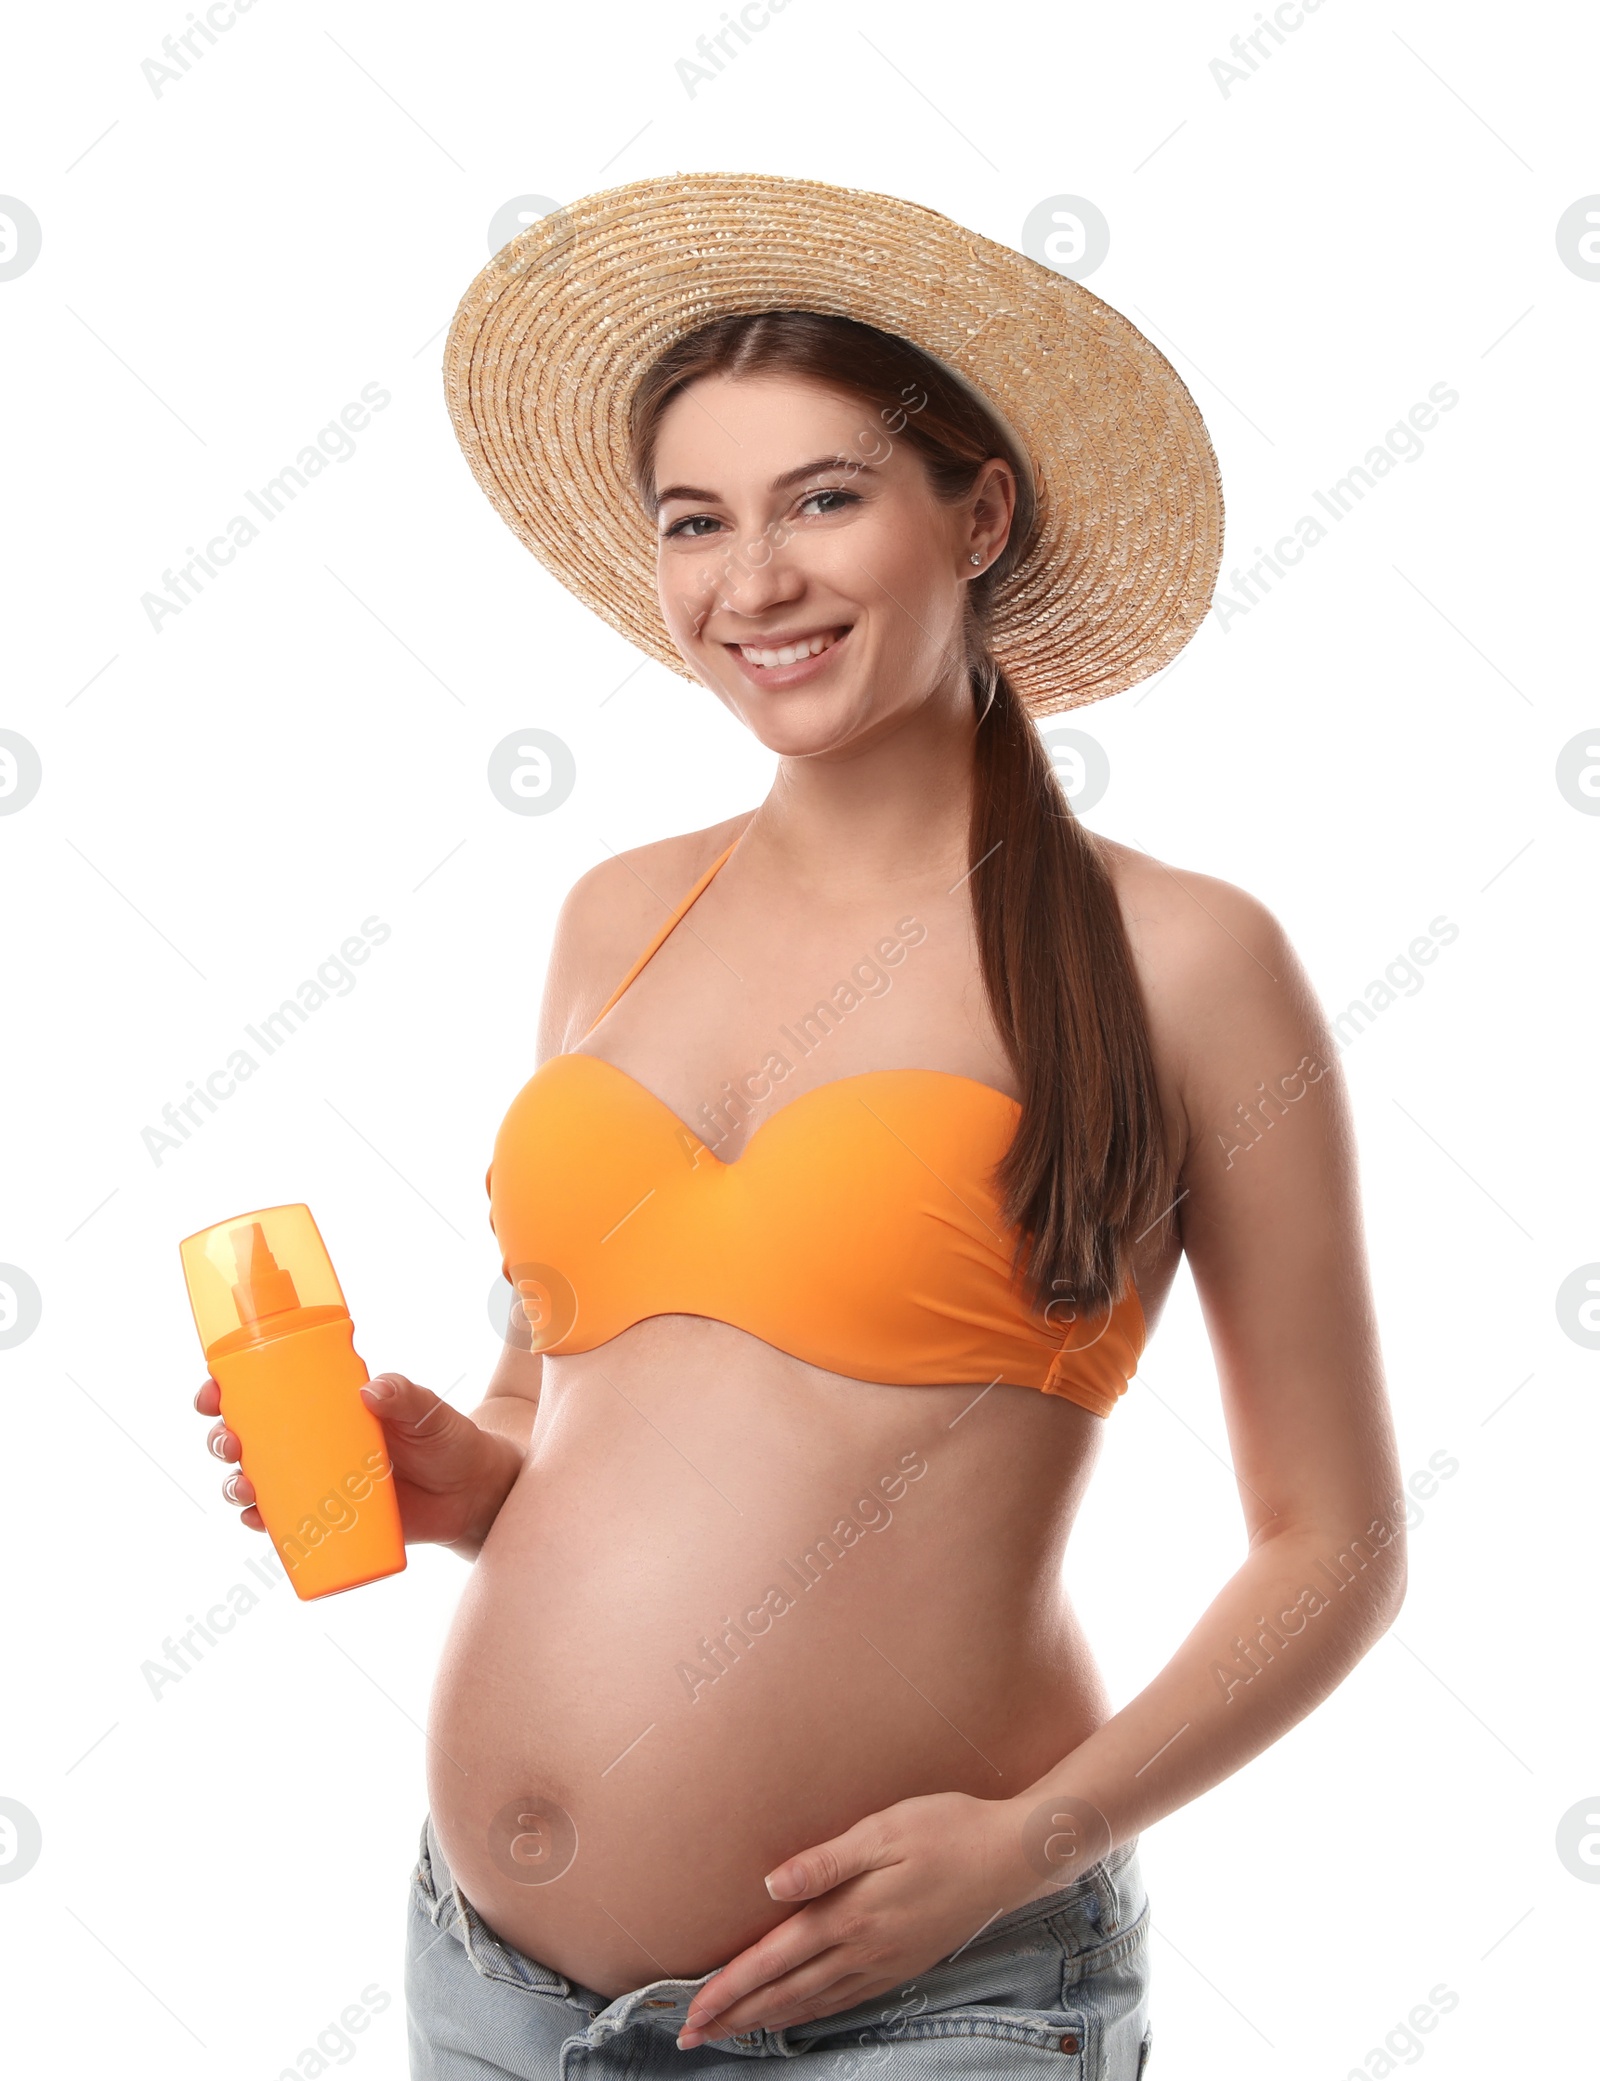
(839, 497)
(689, 527)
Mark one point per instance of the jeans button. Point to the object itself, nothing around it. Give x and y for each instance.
(1070, 2043)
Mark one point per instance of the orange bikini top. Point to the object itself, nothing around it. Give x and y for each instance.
(858, 1231)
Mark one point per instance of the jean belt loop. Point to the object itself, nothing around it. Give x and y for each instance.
(1108, 1894)
(448, 1905)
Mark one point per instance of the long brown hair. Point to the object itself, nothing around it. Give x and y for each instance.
(1087, 1171)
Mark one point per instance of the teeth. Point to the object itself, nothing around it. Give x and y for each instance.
(789, 653)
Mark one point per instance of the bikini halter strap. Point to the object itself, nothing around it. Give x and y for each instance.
(674, 919)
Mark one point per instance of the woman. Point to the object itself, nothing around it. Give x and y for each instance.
(868, 1130)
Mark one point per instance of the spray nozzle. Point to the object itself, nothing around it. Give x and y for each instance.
(263, 1287)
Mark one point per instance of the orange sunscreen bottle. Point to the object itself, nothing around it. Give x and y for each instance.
(279, 1341)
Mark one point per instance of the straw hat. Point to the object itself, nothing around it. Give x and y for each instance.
(551, 338)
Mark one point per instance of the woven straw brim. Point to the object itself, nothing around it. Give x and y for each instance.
(550, 340)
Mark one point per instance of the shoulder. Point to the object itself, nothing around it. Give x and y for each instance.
(1185, 926)
(1227, 997)
(609, 917)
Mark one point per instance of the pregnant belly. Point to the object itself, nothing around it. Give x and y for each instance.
(732, 1606)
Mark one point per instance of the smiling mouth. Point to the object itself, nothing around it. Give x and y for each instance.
(789, 652)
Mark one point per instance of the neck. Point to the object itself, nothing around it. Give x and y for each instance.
(892, 810)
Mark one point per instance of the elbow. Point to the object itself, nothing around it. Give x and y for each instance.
(1389, 1589)
(1397, 1590)
(1371, 1572)
(1402, 1573)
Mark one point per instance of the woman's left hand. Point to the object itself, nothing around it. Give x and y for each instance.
(888, 1898)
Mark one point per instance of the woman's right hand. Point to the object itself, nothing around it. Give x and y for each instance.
(450, 1477)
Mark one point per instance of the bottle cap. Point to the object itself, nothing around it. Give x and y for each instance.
(241, 1273)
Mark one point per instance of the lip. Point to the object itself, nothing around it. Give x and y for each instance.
(788, 675)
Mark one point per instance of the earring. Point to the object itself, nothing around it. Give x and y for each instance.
(975, 558)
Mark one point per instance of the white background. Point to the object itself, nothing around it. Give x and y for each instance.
(224, 266)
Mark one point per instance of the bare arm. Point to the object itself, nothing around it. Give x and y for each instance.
(1272, 1229)
(511, 1400)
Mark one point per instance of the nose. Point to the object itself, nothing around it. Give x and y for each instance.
(758, 576)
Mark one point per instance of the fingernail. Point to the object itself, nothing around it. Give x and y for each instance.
(379, 1390)
(688, 2039)
(785, 1882)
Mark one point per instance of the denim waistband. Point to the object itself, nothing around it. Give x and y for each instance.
(1098, 1912)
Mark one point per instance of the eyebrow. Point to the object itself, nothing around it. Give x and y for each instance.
(795, 476)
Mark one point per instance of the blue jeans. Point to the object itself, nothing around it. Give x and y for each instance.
(1059, 1987)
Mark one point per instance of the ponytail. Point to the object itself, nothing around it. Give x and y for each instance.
(1087, 1172)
